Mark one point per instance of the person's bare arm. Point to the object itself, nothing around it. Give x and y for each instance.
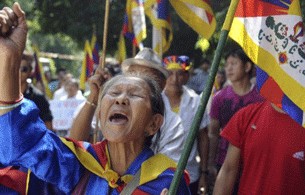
(203, 150)
(13, 31)
(213, 144)
(81, 126)
(227, 175)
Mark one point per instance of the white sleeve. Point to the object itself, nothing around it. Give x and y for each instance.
(171, 139)
(205, 121)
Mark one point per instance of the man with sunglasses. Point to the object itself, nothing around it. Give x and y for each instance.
(32, 93)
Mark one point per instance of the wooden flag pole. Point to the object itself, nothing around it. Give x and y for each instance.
(134, 50)
(161, 43)
(106, 21)
(204, 99)
(103, 57)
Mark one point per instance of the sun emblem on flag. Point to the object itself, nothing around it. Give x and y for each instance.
(283, 58)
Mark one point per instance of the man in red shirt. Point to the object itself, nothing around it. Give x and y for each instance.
(267, 147)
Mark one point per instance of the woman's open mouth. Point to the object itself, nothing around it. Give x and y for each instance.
(118, 118)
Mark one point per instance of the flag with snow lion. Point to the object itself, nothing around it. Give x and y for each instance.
(271, 32)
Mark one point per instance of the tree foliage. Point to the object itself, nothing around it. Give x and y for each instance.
(77, 18)
(62, 26)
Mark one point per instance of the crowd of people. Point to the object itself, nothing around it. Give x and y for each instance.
(144, 112)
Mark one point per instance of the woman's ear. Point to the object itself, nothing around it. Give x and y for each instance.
(155, 124)
(248, 67)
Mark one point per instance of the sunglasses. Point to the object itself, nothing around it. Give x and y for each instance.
(25, 69)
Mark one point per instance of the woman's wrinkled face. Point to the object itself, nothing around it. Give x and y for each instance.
(125, 110)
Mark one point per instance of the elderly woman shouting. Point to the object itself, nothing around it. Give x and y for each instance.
(131, 112)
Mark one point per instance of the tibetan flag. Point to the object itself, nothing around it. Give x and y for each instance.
(87, 66)
(158, 12)
(271, 32)
(198, 14)
(39, 76)
(121, 53)
(127, 24)
(134, 26)
(95, 50)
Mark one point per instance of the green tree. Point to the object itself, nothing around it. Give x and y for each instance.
(77, 18)
(62, 26)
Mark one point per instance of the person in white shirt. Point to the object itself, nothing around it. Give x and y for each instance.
(61, 92)
(72, 90)
(71, 97)
(184, 102)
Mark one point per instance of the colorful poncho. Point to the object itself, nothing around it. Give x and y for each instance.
(77, 167)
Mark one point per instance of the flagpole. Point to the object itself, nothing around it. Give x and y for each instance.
(161, 43)
(204, 99)
(134, 50)
(106, 20)
(103, 57)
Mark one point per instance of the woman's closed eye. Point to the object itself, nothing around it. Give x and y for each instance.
(114, 93)
(132, 94)
(139, 95)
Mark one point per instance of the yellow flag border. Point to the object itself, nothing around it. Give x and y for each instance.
(156, 165)
(200, 4)
(121, 52)
(204, 29)
(290, 87)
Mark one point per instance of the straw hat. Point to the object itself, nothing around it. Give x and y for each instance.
(146, 57)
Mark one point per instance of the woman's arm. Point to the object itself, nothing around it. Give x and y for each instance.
(12, 43)
(81, 125)
(24, 139)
